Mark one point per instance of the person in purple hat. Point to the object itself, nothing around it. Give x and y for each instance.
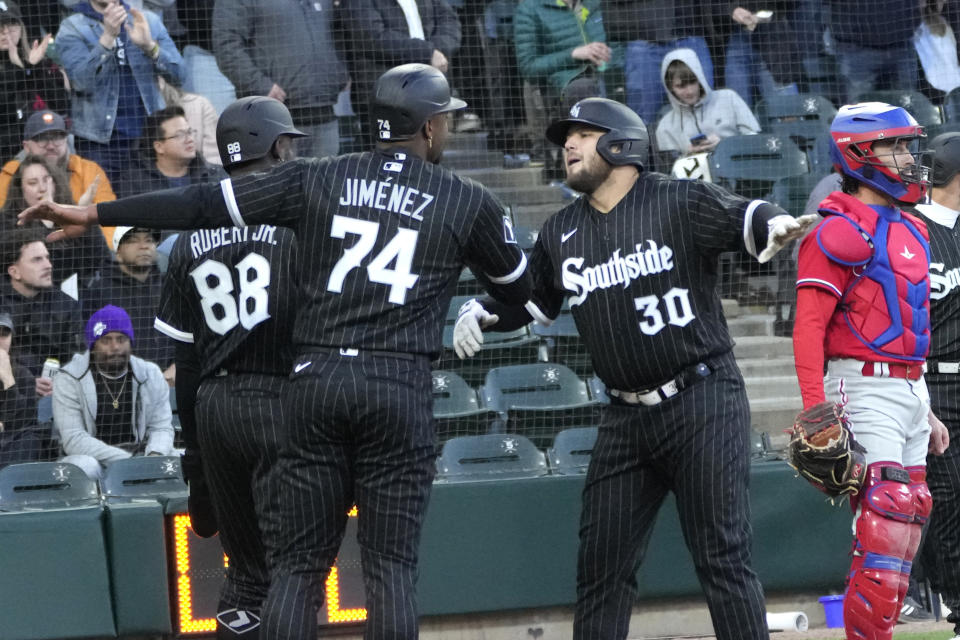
(108, 404)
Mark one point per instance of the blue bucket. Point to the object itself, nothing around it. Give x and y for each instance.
(833, 608)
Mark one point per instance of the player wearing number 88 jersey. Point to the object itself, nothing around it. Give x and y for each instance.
(383, 236)
(229, 299)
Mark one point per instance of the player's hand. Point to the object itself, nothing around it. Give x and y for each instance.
(72, 219)
(277, 93)
(939, 436)
(784, 229)
(468, 332)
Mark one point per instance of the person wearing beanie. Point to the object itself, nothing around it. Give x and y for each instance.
(108, 404)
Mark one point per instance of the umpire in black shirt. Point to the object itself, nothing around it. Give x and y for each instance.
(383, 236)
(637, 256)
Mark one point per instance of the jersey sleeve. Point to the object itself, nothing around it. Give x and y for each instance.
(815, 269)
(173, 317)
(724, 221)
(272, 197)
(546, 300)
(492, 253)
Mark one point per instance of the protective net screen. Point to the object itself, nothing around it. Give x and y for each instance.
(102, 99)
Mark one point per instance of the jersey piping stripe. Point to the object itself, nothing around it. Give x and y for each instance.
(231, 201)
(537, 314)
(819, 282)
(513, 275)
(748, 240)
(167, 330)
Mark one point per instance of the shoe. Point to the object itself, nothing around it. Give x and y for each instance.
(912, 611)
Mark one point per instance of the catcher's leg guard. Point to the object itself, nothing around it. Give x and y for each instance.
(885, 518)
(922, 504)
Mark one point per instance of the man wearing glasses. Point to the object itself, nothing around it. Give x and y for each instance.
(168, 156)
(45, 134)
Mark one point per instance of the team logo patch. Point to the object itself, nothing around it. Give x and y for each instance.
(238, 620)
(440, 383)
(59, 471)
(508, 236)
(774, 144)
(575, 111)
(509, 445)
(810, 105)
(99, 328)
(169, 467)
(395, 167)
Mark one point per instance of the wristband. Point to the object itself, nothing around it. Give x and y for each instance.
(154, 50)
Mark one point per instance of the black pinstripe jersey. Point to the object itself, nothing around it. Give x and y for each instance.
(642, 278)
(383, 237)
(944, 282)
(233, 293)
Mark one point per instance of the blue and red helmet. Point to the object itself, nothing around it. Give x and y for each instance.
(853, 133)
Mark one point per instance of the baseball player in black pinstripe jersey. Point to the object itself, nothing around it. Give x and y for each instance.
(941, 548)
(637, 256)
(229, 299)
(383, 236)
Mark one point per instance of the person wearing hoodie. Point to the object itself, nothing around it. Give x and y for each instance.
(700, 116)
(112, 55)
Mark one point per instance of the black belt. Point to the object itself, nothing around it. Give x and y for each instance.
(348, 352)
(655, 395)
(935, 366)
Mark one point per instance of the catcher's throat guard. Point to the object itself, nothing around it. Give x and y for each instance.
(824, 453)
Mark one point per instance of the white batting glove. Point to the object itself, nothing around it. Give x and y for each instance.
(783, 229)
(468, 332)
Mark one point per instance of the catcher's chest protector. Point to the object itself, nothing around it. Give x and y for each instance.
(887, 305)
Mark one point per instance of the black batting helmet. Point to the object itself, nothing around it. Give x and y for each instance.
(405, 97)
(248, 128)
(623, 127)
(946, 158)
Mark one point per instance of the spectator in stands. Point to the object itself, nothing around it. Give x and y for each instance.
(700, 116)
(651, 29)
(21, 438)
(48, 318)
(284, 49)
(38, 180)
(113, 58)
(108, 404)
(174, 161)
(200, 115)
(203, 75)
(763, 55)
(29, 79)
(45, 134)
(873, 41)
(936, 46)
(133, 282)
(381, 34)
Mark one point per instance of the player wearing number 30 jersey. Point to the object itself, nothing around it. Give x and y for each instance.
(383, 236)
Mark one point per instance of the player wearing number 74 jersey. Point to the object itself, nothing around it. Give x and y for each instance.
(637, 258)
(383, 236)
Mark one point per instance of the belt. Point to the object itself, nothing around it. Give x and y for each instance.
(934, 366)
(356, 353)
(893, 370)
(656, 395)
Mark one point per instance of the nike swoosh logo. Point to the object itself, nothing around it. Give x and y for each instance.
(566, 236)
(301, 366)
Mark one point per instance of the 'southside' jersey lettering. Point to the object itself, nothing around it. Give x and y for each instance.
(385, 196)
(618, 270)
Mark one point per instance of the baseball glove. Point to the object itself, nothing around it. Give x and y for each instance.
(824, 453)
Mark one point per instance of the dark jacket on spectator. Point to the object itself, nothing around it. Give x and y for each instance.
(654, 20)
(22, 439)
(145, 177)
(857, 22)
(48, 326)
(259, 43)
(139, 300)
(377, 38)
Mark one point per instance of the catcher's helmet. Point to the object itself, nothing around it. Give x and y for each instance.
(405, 97)
(248, 128)
(624, 128)
(946, 158)
(853, 133)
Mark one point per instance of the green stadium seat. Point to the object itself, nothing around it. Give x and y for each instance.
(490, 457)
(143, 478)
(951, 106)
(457, 409)
(917, 104)
(793, 192)
(571, 450)
(801, 117)
(598, 390)
(562, 343)
(749, 164)
(34, 486)
(539, 399)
